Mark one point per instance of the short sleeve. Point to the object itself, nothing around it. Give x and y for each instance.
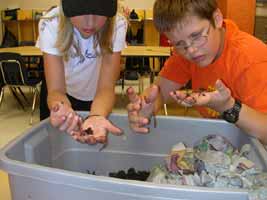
(48, 31)
(176, 69)
(251, 86)
(119, 35)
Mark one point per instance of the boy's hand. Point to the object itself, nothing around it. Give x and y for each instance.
(141, 108)
(219, 100)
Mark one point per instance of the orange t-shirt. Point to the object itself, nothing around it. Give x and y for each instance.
(242, 66)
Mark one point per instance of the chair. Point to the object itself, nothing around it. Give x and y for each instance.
(16, 75)
(133, 71)
(1, 88)
(34, 63)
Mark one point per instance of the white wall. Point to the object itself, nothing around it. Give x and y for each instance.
(140, 4)
(29, 4)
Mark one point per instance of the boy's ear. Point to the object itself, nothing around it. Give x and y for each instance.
(218, 18)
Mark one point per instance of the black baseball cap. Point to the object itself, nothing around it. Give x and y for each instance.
(73, 8)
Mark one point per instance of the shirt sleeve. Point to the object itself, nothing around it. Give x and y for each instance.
(48, 31)
(119, 35)
(254, 86)
(176, 69)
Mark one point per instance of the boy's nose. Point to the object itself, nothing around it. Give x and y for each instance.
(190, 49)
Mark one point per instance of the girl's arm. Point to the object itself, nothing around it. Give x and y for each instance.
(105, 94)
(55, 80)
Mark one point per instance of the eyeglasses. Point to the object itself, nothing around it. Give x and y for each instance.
(196, 42)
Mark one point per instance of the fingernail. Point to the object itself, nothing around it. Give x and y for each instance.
(63, 118)
(128, 89)
(146, 100)
(55, 108)
(70, 115)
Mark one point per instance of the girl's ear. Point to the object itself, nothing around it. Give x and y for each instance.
(218, 18)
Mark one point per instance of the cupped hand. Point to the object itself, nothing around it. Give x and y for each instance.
(94, 130)
(64, 118)
(219, 100)
(141, 108)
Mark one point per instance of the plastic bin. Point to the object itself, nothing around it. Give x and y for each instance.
(44, 164)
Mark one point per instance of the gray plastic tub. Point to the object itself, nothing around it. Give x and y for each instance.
(44, 164)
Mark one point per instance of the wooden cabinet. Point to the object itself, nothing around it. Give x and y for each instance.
(261, 22)
(241, 12)
(261, 28)
(24, 27)
(145, 23)
(151, 35)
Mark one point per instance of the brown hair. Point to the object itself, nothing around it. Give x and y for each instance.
(167, 13)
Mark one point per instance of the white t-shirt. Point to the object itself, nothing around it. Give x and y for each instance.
(81, 73)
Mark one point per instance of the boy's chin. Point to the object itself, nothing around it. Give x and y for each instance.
(204, 63)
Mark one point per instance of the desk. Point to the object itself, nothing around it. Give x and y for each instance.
(131, 51)
(152, 52)
(30, 51)
(147, 51)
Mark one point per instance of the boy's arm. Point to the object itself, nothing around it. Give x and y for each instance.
(253, 122)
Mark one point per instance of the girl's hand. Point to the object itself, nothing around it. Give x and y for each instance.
(94, 130)
(64, 118)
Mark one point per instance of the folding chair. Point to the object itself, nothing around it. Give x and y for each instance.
(15, 75)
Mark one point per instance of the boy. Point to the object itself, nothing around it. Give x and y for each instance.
(228, 68)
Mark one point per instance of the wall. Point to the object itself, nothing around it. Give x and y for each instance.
(28, 4)
(242, 12)
(140, 4)
(45, 4)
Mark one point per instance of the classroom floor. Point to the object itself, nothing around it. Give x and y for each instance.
(14, 121)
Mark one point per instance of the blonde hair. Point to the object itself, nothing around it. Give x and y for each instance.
(103, 37)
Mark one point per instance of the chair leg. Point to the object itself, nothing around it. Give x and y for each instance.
(1, 95)
(33, 104)
(122, 84)
(186, 111)
(141, 84)
(15, 94)
(22, 93)
(165, 109)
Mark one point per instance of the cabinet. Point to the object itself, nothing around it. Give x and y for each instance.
(144, 23)
(241, 12)
(143, 32)
(151, 35)
(261, 22)
(261, 28)
(24, 26)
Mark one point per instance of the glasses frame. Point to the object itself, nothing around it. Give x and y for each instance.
(204, 35)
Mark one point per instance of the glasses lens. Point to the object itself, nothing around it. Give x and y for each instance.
(199, 41)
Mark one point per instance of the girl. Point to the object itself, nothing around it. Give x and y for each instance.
(81, 41)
